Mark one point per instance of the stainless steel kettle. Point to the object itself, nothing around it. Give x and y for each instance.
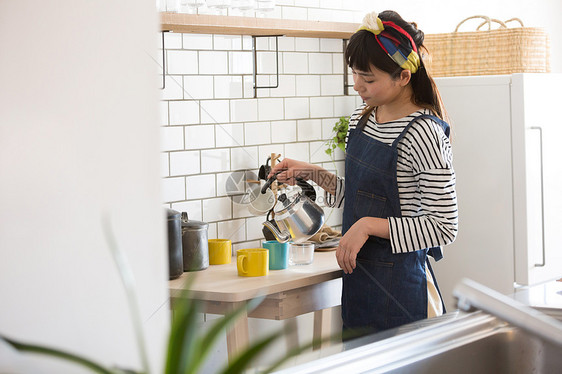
(297, 216)
(195, 244)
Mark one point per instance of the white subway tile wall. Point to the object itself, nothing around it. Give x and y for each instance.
(215, 111)
(213, 62)
(164, 164)
(198, 86)
(200, 186)
(215, 160)
(193, 41)
(199, 137)
(257, 133)
(184, 112)
(322, 107)
(307, 44)
(309, 129)
(244, 158)
(229, 135)
(181, 62)
(297, 107)
(212, 125)
(172, 138)
(228, 86)
(308, 85)
(184, 163)
(270, 109)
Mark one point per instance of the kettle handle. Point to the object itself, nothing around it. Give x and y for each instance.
(306, 188)
(270, 180)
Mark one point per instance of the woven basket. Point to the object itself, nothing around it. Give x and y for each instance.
(494, 51)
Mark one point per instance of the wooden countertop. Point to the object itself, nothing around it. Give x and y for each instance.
(222, 283)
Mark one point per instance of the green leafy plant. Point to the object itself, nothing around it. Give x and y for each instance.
(188, 345)
(338, 140)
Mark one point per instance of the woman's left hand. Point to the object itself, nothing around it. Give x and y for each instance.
(350, 245)
(353, 240)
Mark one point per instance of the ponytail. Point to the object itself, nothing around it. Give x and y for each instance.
(426, 94)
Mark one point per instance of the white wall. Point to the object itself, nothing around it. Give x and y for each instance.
(79, 142)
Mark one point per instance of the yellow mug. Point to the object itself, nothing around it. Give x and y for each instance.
(220, 251)
(252, 262)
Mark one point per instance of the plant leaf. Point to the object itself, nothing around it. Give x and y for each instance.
(23, 347)
(292, 353)
(206, 342)
(300, 349)
(245, 358)
(128, 281)
(188, 347)
(182, 332)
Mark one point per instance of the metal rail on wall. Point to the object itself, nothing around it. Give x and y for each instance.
(255, 60)
(255, 73)
(163, 62)
(346, 84)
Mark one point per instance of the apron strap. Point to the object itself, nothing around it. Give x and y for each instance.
(363, 121)
(444, 125)
(436, 253)
(435, 283)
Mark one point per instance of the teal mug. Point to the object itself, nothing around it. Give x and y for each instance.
(278, 254)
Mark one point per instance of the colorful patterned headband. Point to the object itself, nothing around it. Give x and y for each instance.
(394, 40)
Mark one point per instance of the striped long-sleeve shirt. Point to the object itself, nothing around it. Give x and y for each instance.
(426, 182)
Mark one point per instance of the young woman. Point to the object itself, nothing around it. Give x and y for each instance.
(398, 195)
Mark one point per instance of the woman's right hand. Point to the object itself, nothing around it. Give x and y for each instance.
(290, 169)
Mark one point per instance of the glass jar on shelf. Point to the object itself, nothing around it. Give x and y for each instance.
(172, 6)
(219, 7)
(191, 6)
(265, 6)
(243, 4)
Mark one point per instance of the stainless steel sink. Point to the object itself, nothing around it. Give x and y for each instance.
(507, 350)
(463, 343)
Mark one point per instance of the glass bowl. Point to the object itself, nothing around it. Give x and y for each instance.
(301, 253)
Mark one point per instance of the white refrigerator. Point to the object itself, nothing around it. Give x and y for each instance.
(507, 147)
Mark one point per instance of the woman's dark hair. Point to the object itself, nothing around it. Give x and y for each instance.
(364, 50)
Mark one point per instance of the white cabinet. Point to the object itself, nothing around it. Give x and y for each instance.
(537, 127)
(496, 126)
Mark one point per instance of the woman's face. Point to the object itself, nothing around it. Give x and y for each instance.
(375, 87)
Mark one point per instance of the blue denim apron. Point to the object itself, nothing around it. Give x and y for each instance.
(385, 290)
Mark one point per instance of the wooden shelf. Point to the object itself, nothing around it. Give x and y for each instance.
(233, 25)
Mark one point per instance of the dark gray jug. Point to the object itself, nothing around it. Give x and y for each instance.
(175, 253)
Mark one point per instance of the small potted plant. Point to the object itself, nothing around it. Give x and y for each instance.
(338, 140)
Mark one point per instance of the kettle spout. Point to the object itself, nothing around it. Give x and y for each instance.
(281, 236)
